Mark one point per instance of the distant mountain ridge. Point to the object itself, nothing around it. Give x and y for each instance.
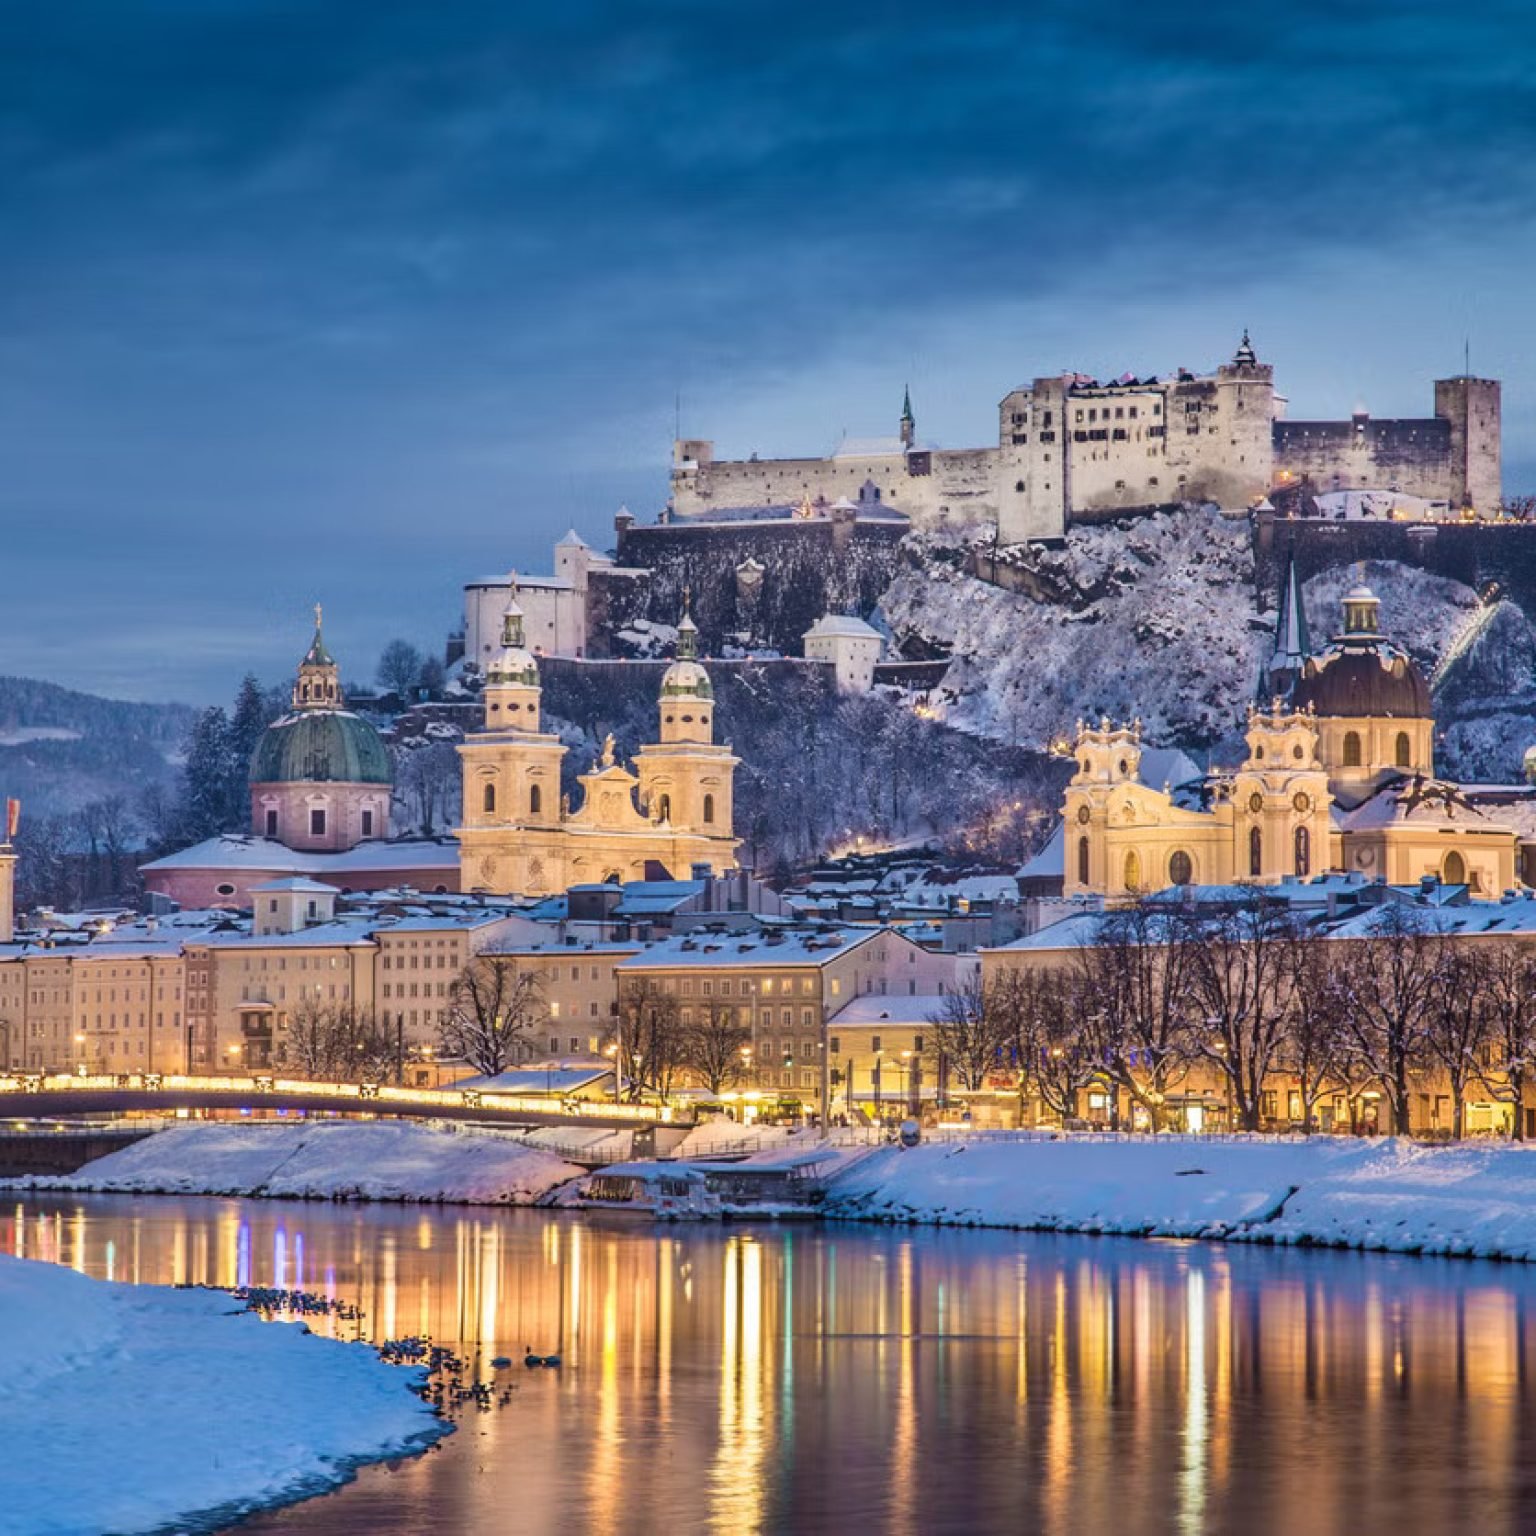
(60, 748)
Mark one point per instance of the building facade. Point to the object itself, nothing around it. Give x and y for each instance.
(1071, 447)
(670, 811)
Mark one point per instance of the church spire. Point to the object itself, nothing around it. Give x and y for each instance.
(908, 423)
(1245, 353)
(318, 685)
(687, 631)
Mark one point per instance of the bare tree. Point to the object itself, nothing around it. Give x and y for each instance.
(1239, 969)
(1315, 1048)
(1387, 981)
(1047, 1009)
(493, 1009)
(428, 785)
(311, 1038)
(1135, 977)
(1509, 984)
(1457, 1024)
(651, 1041)
(972, 1027)
(712, 1046)
(400, 668)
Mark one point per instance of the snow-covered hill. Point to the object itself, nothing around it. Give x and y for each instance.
(1159, 619)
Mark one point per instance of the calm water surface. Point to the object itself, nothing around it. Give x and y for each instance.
(791, 1378)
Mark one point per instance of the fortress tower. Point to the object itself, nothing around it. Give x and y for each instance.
(1474, 410)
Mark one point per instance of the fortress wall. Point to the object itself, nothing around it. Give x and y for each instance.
(1412, 456)
(811, 567)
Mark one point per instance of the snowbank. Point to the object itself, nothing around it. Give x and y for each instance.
(136, 1408)
(1388, 1194)
(326, 1160)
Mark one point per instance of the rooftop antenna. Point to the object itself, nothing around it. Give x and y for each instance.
(1466, 357)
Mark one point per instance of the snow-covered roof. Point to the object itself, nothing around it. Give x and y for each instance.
(876, 448)
(230, 851)
(524, 583)
(845, 624)
(1424, 803)
(573, 540)
(1166, 765)
(298, 885)
(1050, 863)
(343, 932)
(872, 1010)
(748, 951)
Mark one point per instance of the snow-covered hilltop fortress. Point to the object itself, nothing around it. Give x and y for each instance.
(1070, 448)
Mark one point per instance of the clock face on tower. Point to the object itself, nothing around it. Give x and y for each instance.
(1255, 802)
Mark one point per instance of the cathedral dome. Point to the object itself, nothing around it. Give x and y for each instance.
(1361, 673)
(320, 741)
(320, 746)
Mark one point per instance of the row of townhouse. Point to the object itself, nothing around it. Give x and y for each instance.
(222, 996)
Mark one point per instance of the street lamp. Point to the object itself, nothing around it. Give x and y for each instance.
(875, 1078)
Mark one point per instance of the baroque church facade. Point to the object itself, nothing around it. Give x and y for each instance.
(1338, 777)
(667, 814)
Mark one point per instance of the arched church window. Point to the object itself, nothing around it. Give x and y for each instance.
(1258, 753)
(1303, 851)
(1255, 851)
(709, 809)
(535, 800)
(1351, 749)
(1082, 861)
(1297, 752)
(664, 808)
(1455, 869)
(687, 719)
(1181, 869)
(1404, 750)
(489, 800)
(1133, 871)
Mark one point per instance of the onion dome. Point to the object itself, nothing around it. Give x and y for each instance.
(685, 678)
(1362, 673)
(320, 741)
(514, 663)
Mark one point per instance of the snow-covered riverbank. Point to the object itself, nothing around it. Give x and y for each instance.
(325, 1160)
(136, 1408)
(1477, 1199)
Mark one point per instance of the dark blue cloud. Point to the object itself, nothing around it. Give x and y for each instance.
(357, 300)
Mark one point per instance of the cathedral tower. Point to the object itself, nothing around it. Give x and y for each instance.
(685, 779)
(512, 768)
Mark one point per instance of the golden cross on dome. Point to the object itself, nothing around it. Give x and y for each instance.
(317, 615)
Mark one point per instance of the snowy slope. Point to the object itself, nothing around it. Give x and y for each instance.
(1155, 619)
(135, 1408)
(1387, 1194)
(335, 1160)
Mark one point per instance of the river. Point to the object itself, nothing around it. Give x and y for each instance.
(843, 1378)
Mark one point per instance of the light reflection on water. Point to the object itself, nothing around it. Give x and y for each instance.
(815, 1378)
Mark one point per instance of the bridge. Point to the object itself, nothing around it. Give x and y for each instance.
(29, 1095)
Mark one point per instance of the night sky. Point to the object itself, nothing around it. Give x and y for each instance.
(351, 302)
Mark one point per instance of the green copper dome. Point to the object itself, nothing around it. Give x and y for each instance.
(320, 746)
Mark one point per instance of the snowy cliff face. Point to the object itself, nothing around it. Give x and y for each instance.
(1153, 619)
(1156, 619)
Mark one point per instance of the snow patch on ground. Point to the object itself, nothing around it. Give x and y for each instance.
(327, 1161)
(139, 1408)
(1389, 1194)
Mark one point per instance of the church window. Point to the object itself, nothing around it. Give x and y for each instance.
(367, 823)
(664, 808)
(317, 822)
(1258, 754)
(1082, 861)
(1133, 871)
(687, 719)
(709, 809)
(489, 798)
(1180, 869)
(1455, 869)
(1297, 752)
(1404, 750)
(1352, 749)
(1303, 851)
(535, 800)
(669, 719)
(271, 823)
(1255, 852)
